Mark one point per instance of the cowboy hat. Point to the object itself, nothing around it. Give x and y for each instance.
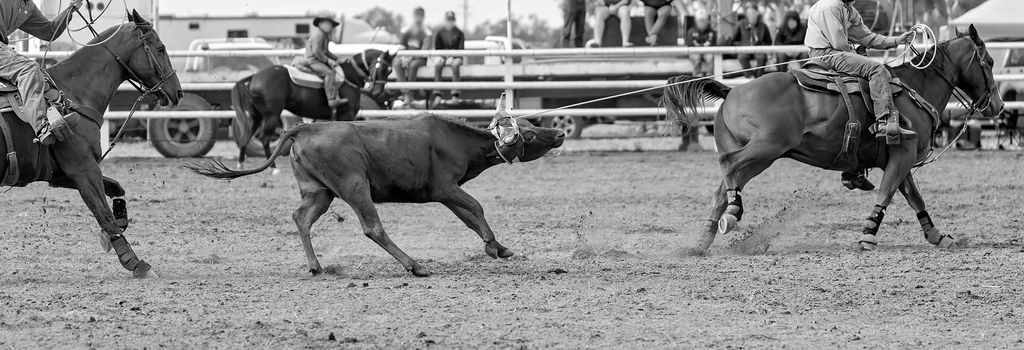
(317, 20)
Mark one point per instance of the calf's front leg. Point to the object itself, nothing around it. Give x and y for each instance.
(469, 210)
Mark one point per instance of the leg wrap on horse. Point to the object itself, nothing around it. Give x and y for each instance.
(735, 207)
(871, 225)
(120, 208)
(127, 256)
(931, 233)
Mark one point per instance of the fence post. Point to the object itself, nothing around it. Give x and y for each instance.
(719, 66)
(509, 92)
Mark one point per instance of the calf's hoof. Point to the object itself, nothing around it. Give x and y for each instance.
(496, 250)
(419, 271)
(726, 223)
(275, 171)
(316, 271)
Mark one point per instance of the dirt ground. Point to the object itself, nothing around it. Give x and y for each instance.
(601, 264)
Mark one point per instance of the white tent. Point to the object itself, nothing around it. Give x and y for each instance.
(995, 19)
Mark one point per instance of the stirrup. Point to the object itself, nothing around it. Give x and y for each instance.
(857, 181)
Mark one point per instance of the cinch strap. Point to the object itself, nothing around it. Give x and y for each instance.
(11, 178)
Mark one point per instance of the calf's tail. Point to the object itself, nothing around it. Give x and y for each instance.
(216, 169)
(685, 94)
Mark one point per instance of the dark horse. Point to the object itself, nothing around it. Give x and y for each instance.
(772, 117)
(88, 79)
(260, 98)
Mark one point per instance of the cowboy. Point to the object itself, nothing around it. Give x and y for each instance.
(831, 27)
(321, 61)
(24, 15)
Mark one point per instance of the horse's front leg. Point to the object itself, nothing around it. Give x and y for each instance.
(901, 160)
(112, 189)
(77, 158)
(913, 196)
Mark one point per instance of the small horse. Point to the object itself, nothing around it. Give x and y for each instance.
(773, 117)
(88, 79)
(260, 98)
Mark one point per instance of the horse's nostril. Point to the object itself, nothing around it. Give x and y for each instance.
(181, 94)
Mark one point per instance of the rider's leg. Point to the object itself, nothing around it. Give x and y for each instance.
(330, 83)
(29, 77)
(886, 116)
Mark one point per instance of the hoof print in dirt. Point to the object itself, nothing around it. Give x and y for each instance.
(557, 271)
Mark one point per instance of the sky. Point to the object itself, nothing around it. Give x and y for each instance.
(479, 10)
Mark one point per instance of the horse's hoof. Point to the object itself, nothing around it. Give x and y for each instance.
(506, 253)
(868, 242)
(419, 271)
(316, 271)
(105, 242)
(726, 223)
(946, 242)
(144, 270)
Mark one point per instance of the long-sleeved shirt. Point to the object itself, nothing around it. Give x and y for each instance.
(748, 34)
(449, 39)
(24, 15)
(835, 24)
(318, 47)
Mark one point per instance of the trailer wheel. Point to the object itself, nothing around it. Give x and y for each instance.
(571, 125)
(184, 138)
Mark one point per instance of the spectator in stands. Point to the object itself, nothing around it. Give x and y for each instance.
(791, 32)
(656, 14)
(751, 31)
(701, 35)
(574, 12)
(449, 37)
(413, 37)
(617, 8)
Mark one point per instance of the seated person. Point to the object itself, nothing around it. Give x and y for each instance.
(751, 31)
(656, 14)
(449, 37)
(701, 35)
(413, 37)
(791, 32)
(607, 8)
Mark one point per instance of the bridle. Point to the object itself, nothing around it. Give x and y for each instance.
(986, 98)
(134, 79)
(367, 72)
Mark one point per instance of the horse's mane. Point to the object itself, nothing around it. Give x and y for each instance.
(126, 27)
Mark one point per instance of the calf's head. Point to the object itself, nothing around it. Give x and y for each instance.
(518, 139)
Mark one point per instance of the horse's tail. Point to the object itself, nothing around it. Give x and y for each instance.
(216, 169)
(685, 94)
(242, 100)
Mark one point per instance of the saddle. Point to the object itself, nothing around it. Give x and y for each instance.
(818, 76)
(301, 75)
(18, 136)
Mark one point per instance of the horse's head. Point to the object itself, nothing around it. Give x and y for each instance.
(974, 71)
(143, 58)
(378, 66)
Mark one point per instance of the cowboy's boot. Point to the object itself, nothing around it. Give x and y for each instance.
(887, 127)
(52, 128)
(857, 181)
(331, 89)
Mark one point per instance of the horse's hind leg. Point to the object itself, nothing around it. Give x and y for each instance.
(913, 196)
(739, 167)
(901, 159)
(708, 231)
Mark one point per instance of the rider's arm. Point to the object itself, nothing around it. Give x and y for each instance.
(41, 27)
(863, 35)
